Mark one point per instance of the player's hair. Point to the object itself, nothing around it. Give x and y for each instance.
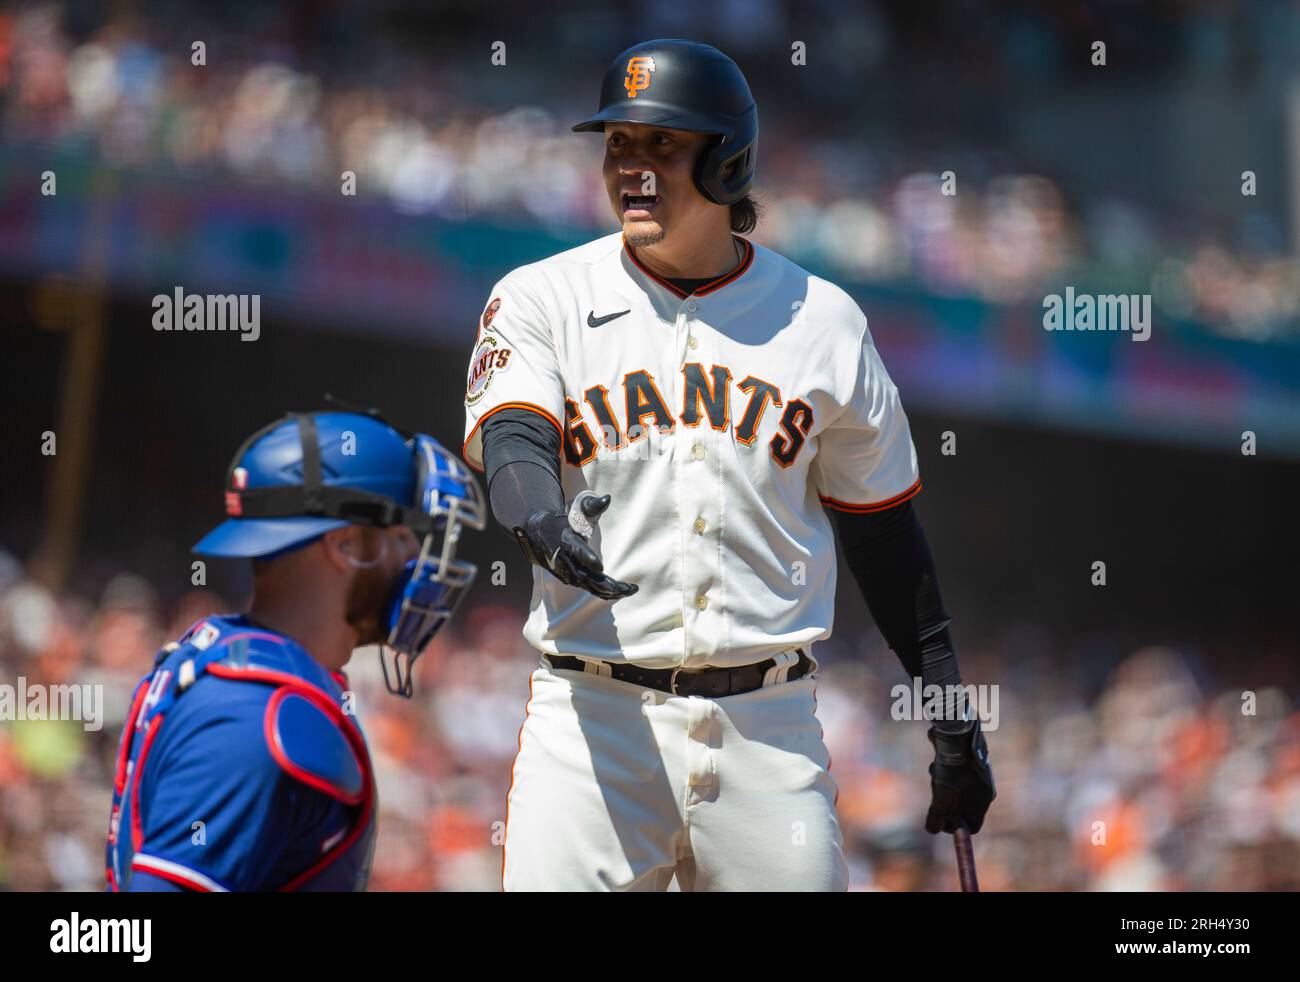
(745, 214)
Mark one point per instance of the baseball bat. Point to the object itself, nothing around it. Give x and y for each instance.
(965, 859)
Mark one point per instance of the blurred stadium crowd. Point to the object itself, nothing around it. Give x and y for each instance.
(1193, 794)
(322, 90)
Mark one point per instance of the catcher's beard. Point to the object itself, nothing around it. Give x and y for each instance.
(367, 603)
(641, 234)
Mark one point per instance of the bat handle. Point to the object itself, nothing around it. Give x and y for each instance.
(965, 859)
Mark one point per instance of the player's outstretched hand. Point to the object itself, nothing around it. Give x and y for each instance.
(961, 781)
(557, 542)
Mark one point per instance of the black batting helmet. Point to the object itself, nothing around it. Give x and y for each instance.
(683, 85)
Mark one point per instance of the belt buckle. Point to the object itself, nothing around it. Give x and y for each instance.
(672, 681)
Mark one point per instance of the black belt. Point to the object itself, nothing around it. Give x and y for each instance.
(712, 683)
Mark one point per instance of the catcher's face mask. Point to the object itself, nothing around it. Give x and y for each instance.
(433, 584)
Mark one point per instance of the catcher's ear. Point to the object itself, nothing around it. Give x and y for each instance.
(340, 546)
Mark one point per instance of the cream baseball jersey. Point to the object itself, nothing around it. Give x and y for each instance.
(720, 423)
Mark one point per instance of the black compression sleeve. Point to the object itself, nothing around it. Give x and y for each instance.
(521, 457)
(889, 557)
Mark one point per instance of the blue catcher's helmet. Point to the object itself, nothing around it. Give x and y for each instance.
(309, 473)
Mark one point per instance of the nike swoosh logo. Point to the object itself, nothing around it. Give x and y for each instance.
(594, 321)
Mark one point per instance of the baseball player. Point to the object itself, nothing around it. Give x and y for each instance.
(665, 415)
(241, 766)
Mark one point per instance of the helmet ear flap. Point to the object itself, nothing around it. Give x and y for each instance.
(724, 180)
(738, 182)
(703, 167)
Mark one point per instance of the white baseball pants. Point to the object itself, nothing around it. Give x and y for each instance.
(618, 787)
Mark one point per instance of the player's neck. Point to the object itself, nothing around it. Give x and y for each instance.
(692, 258)
(330, 644)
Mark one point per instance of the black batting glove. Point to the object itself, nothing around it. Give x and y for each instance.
(549, 540)
(961, 781)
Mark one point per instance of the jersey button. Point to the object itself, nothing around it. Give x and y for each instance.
(693, 342)
(701, 602)
(700, 526)
(692, 306)
(697, 451)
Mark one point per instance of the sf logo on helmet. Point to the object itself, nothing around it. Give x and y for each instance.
(638, 75)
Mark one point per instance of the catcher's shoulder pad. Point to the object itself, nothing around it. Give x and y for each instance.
(307, 738)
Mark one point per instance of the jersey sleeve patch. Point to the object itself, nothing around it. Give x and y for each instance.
(308, 743)
(491, 357)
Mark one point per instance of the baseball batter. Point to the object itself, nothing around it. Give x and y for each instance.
(665, 416)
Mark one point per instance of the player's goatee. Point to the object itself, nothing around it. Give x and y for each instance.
(641, 234)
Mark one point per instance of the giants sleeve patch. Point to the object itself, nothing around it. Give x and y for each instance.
(490, 357)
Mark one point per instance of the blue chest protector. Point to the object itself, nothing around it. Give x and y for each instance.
(238, 769)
